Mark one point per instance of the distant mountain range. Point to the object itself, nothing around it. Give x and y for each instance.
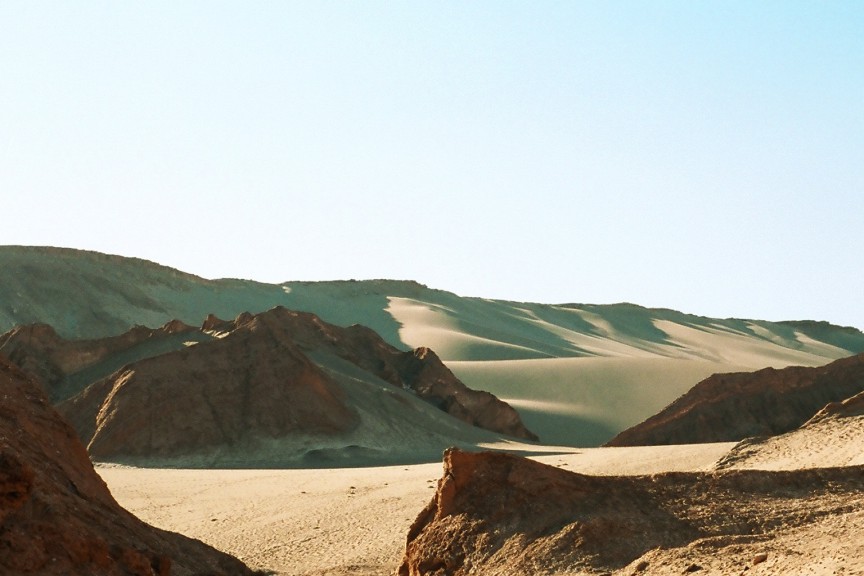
(577, 373)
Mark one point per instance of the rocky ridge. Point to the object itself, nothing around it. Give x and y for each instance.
(729, 407)
(65, 366)
(225, 389)
(57, 517)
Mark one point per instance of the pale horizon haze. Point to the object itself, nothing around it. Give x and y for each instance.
(702, 156)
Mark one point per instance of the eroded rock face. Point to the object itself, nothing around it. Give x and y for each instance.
(729, 407)
(240, 385)
(495, 513)
(261, 376)
(41, 352)
(420, 370)
(56, 514)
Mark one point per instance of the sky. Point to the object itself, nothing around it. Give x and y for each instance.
(702, 156)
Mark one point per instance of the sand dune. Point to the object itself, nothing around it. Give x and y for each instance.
(833, 437)
(580, 375)
(584, 357)
(585, 401)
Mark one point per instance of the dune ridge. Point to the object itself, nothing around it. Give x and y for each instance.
(491, 345)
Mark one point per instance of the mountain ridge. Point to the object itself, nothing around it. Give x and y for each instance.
(269, 389)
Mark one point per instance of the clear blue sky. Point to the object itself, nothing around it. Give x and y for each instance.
(701, 156)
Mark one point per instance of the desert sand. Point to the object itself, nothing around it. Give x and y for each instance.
(344, 521)
(354, 521)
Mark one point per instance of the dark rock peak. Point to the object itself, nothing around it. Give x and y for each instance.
(734, 406)
(176, 327)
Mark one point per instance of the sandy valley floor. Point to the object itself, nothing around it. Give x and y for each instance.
(348, 521)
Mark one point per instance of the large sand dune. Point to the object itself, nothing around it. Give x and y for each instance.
(583, 359)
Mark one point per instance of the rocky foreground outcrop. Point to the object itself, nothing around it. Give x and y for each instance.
(235, 384)
(56, 514)
(498, 514)
(730, 407)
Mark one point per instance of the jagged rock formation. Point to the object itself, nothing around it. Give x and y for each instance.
(57, 517)
(263, 377)
(497, 514)
(728, 407)
(65, 366)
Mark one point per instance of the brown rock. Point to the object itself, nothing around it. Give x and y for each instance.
(56, 514)
(220, 393)
(730, 407)
(261, 377)
(54, 361)
(759, 558)
(496, 513)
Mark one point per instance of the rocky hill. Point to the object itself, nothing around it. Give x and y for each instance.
(64, 367)
(727, 407)
(502, 514)
(57, 517)
(270, 389)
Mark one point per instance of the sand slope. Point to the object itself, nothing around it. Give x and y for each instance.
(581, 358)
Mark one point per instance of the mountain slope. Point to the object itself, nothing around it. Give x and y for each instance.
(502, 514)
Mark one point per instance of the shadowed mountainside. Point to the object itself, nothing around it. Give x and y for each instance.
(268, 389)
(56, 514)
(728, 407)
(502, 514)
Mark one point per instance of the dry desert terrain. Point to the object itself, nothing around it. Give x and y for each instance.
(353, 521)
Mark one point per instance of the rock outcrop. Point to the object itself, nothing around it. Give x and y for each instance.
(57, 517)
(501, 514)
(55, 361)
(730, 407)
(262, 377)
